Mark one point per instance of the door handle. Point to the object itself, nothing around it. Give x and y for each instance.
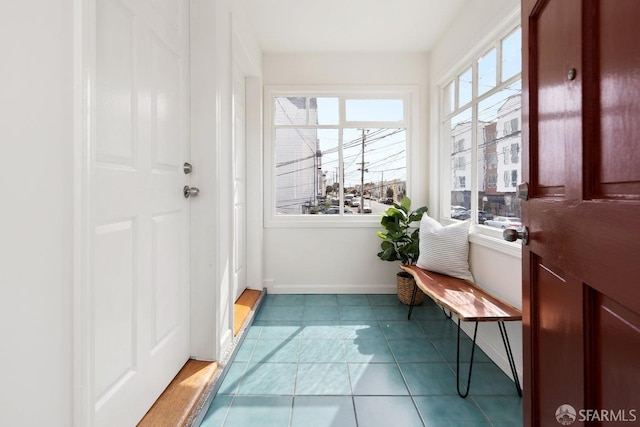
(511, 235)
(190, 191)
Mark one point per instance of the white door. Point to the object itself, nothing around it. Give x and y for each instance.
(239, 183)
(139, 218)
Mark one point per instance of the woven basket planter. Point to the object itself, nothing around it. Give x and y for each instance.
(405, 289)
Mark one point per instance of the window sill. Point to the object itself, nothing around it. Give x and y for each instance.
(513, 249)
(323, 221)
(490, 238)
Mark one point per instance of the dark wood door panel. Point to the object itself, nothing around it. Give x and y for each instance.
(559, 332)
(619, 68)
(614, 368)
(558, 97)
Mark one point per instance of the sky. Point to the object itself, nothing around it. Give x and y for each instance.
(385, 149)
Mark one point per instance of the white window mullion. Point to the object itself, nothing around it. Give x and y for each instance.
(499, 81)
(341, 169)
(474, 144)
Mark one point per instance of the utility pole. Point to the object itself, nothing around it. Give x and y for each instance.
(362, 171)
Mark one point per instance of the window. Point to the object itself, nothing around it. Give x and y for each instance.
(515, 153)
(482, 107)
(459, 163)
(510, 126)
(338, 155)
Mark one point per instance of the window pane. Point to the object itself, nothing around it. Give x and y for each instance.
(374, 110)
(458, 132)
(376, 163)
(487, 72)
(303, 160)
(327, 111)
(499, 166)
(464, 87)
(291, 110)
(512, 55)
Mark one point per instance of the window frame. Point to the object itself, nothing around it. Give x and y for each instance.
(479, 234)
(409, 95)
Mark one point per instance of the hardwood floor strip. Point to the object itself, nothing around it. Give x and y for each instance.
(242, 308)
(176, 405)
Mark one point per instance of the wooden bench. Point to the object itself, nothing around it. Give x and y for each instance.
(468, 303)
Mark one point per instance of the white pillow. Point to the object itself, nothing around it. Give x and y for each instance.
(445, 250)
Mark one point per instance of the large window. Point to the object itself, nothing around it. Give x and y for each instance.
(337, 155)
(481, 128)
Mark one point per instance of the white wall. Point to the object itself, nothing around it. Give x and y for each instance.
(496, 265)
(36, 237)
(342, 259)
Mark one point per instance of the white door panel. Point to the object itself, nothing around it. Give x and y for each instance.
(139, 217)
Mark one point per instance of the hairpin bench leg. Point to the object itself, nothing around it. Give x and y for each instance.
(413, 300)
(473, 348)
(512, 363)
(448, 316)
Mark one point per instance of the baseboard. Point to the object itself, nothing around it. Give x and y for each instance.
(226, 341)
(273, 288)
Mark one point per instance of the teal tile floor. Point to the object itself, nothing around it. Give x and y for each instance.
(356, 361)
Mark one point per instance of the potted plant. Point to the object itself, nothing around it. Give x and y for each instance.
(401, 243)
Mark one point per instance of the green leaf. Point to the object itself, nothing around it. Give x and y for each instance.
(396, 235)
(391, 224)
(417, 215)
(388, 255)
(386, 245)
(406, 204)
(395, 212)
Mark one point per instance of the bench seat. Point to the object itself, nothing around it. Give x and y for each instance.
(469, 303)
(464, 299)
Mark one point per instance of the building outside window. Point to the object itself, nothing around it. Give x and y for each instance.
(482, 105)
(338, 154)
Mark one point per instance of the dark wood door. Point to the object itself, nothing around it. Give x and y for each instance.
(581, 269)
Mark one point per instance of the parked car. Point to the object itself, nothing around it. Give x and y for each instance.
(335, 210)
(348, 198)
(504, 222)
(484, 216)
(366, 209)
(459, 212)
(386, 200)
(355, 202)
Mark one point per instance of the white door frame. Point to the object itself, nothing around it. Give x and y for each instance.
(84, 124)
(254, 161)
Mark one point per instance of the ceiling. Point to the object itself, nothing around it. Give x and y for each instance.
(286, 26)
